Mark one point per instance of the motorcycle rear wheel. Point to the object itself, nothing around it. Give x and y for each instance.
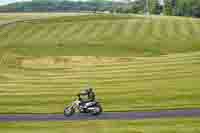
(97, 110)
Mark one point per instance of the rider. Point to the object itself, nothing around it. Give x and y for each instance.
(89, 94)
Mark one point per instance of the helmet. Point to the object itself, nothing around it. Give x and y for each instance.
(90, 89)
(84, 92)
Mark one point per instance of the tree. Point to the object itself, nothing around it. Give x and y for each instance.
(137, 6)
(168, 9)
(155, 7)
(196, 8)
(174, 7)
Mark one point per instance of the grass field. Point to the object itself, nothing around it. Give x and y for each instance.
(98, 35)
(12, 18)
(45, 85)
(17, 16)
(148, 126)
(134, 62)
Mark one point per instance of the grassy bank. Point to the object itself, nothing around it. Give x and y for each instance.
(181, 125)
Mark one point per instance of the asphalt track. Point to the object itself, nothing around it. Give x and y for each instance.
(103, 116)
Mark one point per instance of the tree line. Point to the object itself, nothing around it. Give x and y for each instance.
(56, 6)
(167, 7)
(170, 7)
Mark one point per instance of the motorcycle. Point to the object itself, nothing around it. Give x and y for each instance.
(93, 108)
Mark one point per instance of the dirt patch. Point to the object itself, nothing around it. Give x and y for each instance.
(69, 61)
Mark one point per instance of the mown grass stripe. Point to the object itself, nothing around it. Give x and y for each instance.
(15, 33)
(121, 68)
(78, 68)
(142, 30)
(104, 73)
(153, 75)
(119, 29)
(109, 31)
(66, 30)
(100, 29)
(26, 32)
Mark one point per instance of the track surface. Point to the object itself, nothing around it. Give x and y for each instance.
(104, 116)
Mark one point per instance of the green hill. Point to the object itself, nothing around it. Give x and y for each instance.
(103, 35)
(56, 6)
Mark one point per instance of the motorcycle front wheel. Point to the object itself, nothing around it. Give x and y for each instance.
(69, 111)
